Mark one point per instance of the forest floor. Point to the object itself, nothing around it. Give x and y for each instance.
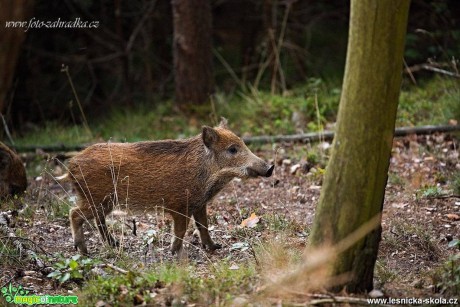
(421, 218)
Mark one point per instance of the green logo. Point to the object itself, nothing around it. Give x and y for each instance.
(18, 295)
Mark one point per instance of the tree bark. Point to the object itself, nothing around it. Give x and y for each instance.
(356, 176)
(11, 40)
(192, 50)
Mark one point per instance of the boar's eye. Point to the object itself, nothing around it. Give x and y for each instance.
(232, 149)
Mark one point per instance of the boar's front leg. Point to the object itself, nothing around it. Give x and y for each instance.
(201, 222)
(102, 227)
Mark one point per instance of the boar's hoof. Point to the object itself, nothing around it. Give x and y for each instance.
(113, 242)
(82, 248)
(212, 247)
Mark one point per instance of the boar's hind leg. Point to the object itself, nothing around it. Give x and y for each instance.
(85, 212)
(201, 222)
(180, 227)
(77, 217)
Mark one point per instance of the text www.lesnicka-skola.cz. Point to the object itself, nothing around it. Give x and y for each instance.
(35, 23)
(412, 301)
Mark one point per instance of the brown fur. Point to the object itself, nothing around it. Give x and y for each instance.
(180, 176)
(13, 178)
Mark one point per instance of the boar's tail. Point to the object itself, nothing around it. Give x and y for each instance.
(62, 177)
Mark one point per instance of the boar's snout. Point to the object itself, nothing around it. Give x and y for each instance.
(270, 171)
(266, 171)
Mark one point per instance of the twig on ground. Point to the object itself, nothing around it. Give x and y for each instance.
(115, 268)
(444, 196)
(319, 299)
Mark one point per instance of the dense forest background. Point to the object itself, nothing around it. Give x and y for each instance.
(128, 59)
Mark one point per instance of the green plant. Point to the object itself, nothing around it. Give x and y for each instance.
(74, 268)
(14, 202)
(383, 273)
(316, 174)
(57, 209)
(313, 158)
(433, 101)
(448, 277)
(166, 282)
(276, 222)
(395, 179)
(150, 237)
(429, 192)
(8, 252)
(455, 183)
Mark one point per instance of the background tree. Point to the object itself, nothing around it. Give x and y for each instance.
(192, 50)
(354, 184)
(11, 40)
(128, 60)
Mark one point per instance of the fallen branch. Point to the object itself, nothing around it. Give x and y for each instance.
(329, 135)
(432, 68)
(444, 196)
(319, 299)
(263, 139)
(340, 300)
(115, 268)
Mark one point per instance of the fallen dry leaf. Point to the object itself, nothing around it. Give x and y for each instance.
(453, 217)
(251, 221)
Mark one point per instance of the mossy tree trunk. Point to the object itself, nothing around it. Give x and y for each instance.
(11, 40)
(356, 176)
(192, 50)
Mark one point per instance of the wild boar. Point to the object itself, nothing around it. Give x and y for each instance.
(13, 178)
(181, 176)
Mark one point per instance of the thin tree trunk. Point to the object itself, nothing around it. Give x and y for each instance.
(11, 40)
(356, 176)
(192, 50)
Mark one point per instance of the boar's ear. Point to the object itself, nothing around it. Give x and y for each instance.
(223, 123)
(210, 136)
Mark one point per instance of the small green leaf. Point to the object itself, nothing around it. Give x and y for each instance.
(76, 257)
(61, 265)
(64, 278)
(73, 264)
(54, 274)
(454, 242)
(86, 261)
(77, 275)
